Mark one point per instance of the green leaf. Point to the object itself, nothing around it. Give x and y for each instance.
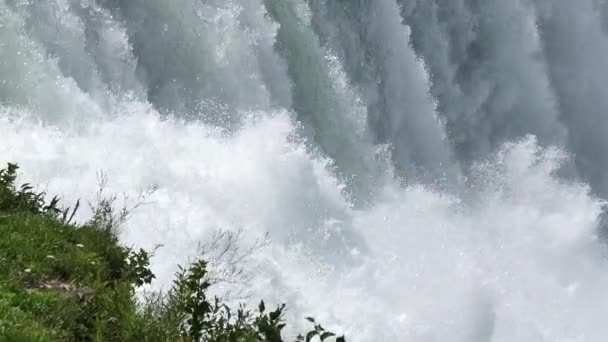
(310, 335)
(275, 314)
(326, 335)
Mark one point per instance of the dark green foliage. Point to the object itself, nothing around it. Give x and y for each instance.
(211, 320)
(23, 199)
(198, 318)
(138, 271)
(318, 331)
(62, 282)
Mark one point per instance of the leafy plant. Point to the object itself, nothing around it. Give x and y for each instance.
(23, 198)
(138, 270)
(318, 331)
(205, 319)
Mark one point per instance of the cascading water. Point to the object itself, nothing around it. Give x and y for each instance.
(405, 157)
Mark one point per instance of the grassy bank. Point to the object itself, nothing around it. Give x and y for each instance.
(60, 281)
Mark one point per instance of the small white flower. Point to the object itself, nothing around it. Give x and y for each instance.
(93, 263)
(80, 245)
(50, 257)
(28, 270)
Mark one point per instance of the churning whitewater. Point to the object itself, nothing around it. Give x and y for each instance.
(403, 170)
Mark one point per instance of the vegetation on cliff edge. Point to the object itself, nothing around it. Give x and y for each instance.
(60, 281)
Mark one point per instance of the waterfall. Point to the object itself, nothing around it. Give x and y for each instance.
(424, 170)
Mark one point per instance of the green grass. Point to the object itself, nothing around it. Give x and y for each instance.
(65, 282)
(72, 282)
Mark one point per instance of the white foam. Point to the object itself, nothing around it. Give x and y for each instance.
(515, 259)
